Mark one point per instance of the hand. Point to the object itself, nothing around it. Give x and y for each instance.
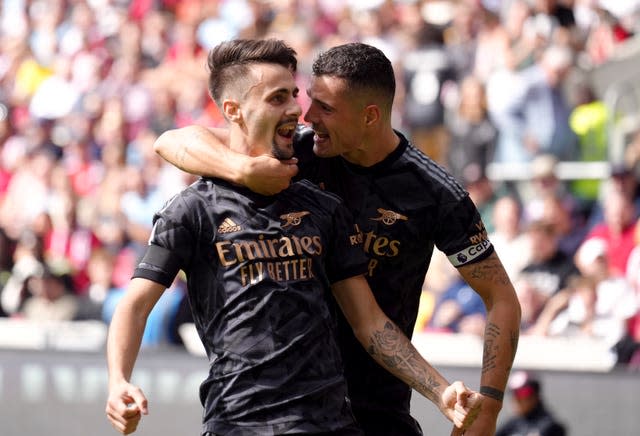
(485, 422)
(125, 406)
(461, 406)
(267, 175)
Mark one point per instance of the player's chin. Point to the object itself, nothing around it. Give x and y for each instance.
(324, 150)
(283, 150)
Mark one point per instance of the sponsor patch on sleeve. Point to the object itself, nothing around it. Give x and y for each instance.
(470, 253)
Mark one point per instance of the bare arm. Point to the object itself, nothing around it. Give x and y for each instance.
(204, 151)
(126, 402)
(390, 347)
(489, 279)
(550, 311)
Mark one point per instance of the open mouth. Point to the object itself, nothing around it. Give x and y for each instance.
(320, 136)
(286, 130)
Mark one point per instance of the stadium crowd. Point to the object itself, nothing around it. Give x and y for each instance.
(86, 86)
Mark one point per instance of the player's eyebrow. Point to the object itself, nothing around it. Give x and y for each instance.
(320, 102)
(293, 91)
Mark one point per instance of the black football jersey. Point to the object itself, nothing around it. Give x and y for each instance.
(402, 207)
(259, 271)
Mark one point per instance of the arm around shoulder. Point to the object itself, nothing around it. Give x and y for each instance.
(201, 151)
(204, 151)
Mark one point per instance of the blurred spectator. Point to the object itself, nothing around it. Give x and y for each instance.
(459, 37)
(68, 238)
(481, 191)
(632, 157)
(27, 193)
(531, 417)
(594, 304)
(546, 274)
(525, 40)
(545, 183)
(426, 70)
(459, 310)
(50, 298)
(617, 229)
(604, 37)
(533, 115)
(28, 260)
(589, 120)
(7, 248)
(622, 179)
(492, 49)
(140, 198)
(628, 349)
(471, 134)
(57, 95)
(571, 228)
(508, 237)
(100, 271)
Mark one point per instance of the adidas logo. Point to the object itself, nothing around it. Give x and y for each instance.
(228, 226)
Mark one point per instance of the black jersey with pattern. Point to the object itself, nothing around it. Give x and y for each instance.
(402, 206)
(258, 272)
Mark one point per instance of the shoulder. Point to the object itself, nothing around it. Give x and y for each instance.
(433, 176)
(306, 189)
(192, 200)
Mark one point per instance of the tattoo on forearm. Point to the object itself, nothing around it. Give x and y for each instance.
(395, 352)
(490, 352)
(491, 270)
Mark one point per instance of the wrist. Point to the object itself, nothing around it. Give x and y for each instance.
(492, 399)
(491, 392)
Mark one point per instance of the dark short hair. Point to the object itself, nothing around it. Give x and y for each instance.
(362, 66)
(229, 61)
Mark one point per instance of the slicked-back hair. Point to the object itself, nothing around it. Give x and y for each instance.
(362, 66)
(230, 61)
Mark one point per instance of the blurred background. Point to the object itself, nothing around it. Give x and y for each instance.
(534, 105)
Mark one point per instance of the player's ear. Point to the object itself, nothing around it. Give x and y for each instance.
(231, 110)
(371, 114)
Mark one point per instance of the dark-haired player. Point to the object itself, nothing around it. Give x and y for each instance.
(260, 270)
(403, 204)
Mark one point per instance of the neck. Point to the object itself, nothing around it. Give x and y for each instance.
(239, 143)
(374, 149)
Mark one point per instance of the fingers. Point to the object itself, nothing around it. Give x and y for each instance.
(125, 407)
(139, 400)
(472, 410)
(291, 167)
(125, 425)
(462, 393)
(455, 431)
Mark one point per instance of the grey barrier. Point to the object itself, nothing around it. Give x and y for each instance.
(63, 393)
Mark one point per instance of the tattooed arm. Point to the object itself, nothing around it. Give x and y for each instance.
(390, 347)
(203, 151)
(489, 279)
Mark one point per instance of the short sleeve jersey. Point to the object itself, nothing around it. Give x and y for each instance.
(402, 207)
(258, 272)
